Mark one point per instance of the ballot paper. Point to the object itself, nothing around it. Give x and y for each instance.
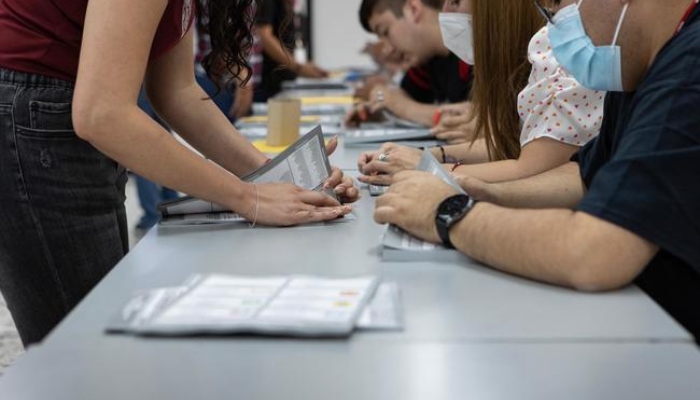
(384, 311)
(355, 137)
(255, 127)
(399, 245)
(394, 121)
(317, 85)
(278, 305)
(377, 190)
(316, 105)
(304, 164)
(261, 120)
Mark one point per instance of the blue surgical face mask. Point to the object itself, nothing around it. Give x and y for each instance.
(595, 67)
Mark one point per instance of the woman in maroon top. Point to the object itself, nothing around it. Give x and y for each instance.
(70, 73)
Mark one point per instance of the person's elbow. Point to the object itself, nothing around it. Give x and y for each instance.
(603, 256)
(94, 119)
(266, 35)
(596, 277)
(606, 267)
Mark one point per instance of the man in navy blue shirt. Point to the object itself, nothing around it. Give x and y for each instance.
(627, 208)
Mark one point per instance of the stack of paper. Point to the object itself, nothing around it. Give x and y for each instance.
(364, 136)
(398, 245)
(304, 164)
(226, 304)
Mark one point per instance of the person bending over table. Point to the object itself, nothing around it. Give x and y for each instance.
(277, 38)
(70, 74)
(411, 28)
(625, 209)
(550, 119)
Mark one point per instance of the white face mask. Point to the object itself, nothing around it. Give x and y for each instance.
(458, 35)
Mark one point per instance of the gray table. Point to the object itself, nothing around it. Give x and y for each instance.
(443, 301)
(352, 370)
(346, 157)
(471, 332)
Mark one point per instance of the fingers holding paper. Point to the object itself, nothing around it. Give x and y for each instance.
(457, 124)
(411, 203)
(378, 166)
(343, 186)
(284, 204)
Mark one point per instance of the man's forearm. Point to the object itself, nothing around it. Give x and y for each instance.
(561, 187)
(561, 247)
(407, 108)
(521, 242)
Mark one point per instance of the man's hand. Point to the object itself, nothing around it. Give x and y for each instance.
(382, 97)
(477, 189)
(360, 113)
(411, 203)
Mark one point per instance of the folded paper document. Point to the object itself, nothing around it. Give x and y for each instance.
(394, 121)
(278, 305)
(398, 245)
(304, 164)
(381, 135)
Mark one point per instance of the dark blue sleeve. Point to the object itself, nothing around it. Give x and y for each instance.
(650, 185)
(596, 152)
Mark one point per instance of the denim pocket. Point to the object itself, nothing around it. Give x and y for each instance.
(63, 173)
(50, 119)
(7, 94)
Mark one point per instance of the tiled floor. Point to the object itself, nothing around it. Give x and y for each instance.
(10, 345)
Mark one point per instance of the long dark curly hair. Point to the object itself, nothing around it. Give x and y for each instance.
(229, 24)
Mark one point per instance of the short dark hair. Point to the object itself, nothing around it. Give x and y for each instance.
(370, 7)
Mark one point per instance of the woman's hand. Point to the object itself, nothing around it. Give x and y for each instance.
(242, 103)
(343, 186)
(360, 113)
(456, 124)
(285, 204)
(311, 70)
(377, 167)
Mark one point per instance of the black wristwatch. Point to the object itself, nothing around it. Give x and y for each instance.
(451, 211)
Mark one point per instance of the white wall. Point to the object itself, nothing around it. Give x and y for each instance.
(338, 36)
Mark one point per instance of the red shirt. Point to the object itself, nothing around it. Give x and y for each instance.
(44, 36)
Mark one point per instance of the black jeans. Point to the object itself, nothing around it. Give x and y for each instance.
(62, 217)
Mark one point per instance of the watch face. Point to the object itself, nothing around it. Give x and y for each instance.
(453, 209)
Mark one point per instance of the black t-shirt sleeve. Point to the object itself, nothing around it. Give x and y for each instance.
(650, 184)
(593, 156)
(417, 84)
(266, 12)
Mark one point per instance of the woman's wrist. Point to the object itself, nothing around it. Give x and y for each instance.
(240, 198)
(439, 153)
(249, 200)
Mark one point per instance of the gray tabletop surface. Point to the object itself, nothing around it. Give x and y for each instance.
(441, 300)
(310, 370)
(471, 332)
(345, 157)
